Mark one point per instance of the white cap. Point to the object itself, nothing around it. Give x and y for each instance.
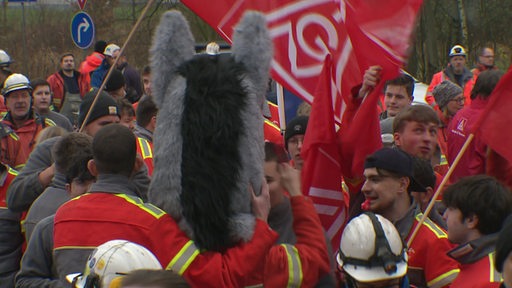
(358, 242)
(110, 49)
(113, 259)
(15, 82)
(457, 50)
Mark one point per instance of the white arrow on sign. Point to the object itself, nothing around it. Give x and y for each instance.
(83, 26)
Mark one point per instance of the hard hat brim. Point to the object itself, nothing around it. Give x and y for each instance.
(367, 274)
(80, 283)
(372, 274)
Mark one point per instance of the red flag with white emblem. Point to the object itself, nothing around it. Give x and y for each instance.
(304, 32)
(321, 173)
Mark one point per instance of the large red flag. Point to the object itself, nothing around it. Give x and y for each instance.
(321, 174)
(304, 32)
(493, 126)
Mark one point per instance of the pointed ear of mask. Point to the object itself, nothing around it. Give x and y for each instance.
(173, 44)
(253, 47)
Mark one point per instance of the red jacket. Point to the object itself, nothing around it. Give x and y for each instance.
(274, 113)
(87, 221)
(302, 264)
(10, 147)
(57, 86)
(428, 262)
(272, 133)
(440, 77)
(90, 64)
(145, 150)
(477, 263)
(26, 135)
(10, 232)
(474, 159)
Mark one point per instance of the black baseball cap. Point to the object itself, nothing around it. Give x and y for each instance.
(396, 161)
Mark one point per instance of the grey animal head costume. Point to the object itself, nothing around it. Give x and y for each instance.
(208, 143)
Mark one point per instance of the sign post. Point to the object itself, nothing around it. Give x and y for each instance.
(82, 30)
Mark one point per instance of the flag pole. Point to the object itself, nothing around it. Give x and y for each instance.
(440, 188)
(280, 107)
(112, 67)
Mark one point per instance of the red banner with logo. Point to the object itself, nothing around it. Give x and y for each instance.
(304, 32)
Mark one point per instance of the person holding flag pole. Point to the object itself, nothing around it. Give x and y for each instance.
(489, 127)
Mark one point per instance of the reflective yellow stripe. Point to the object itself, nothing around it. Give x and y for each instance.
(49, 122)
(22, 223)
(495, 276)
(443, 279)
(145, 148)
(443, 161)
(12, 171)
(184, 258)
(432, 226)
(272, 124)
(19, 167)
(294, 266)
(14, 136)
(151, 209)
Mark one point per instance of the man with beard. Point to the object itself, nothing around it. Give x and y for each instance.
(456, 72)
(20, 116)
(485, 62)
(69, 87)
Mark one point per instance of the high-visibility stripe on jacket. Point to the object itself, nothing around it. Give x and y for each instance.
(145, 150)
(88, 221)
(184, 258)
(294, 266)
(272, 133)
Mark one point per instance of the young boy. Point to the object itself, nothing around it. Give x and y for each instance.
(476, 207)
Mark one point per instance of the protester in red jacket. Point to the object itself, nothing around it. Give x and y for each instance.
(93, 60)
(476, 209)
(473, 160)
(112, 211)
(68, 87)
(456, 72)
(21, 118)
(300, 257)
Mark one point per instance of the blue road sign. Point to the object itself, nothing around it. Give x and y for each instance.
(82, 30)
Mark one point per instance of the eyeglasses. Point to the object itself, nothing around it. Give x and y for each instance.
(459, 100)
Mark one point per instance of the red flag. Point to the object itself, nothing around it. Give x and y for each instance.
(493, 126)
(321, 174)
(304, 32)
(381, 30)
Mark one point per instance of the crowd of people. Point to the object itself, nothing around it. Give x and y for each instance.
(70, 156)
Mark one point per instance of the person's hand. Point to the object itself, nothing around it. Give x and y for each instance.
(46, 176)
(370, 79)
(290, 179)
(260, 203)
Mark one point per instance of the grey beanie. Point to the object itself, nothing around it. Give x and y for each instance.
(446, 91)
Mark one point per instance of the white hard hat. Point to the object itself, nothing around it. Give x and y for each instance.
(110, 49)
(111, 260)
(15, 82)
(212, 48)
(371, 249)
(457, 50)
(5, 59)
